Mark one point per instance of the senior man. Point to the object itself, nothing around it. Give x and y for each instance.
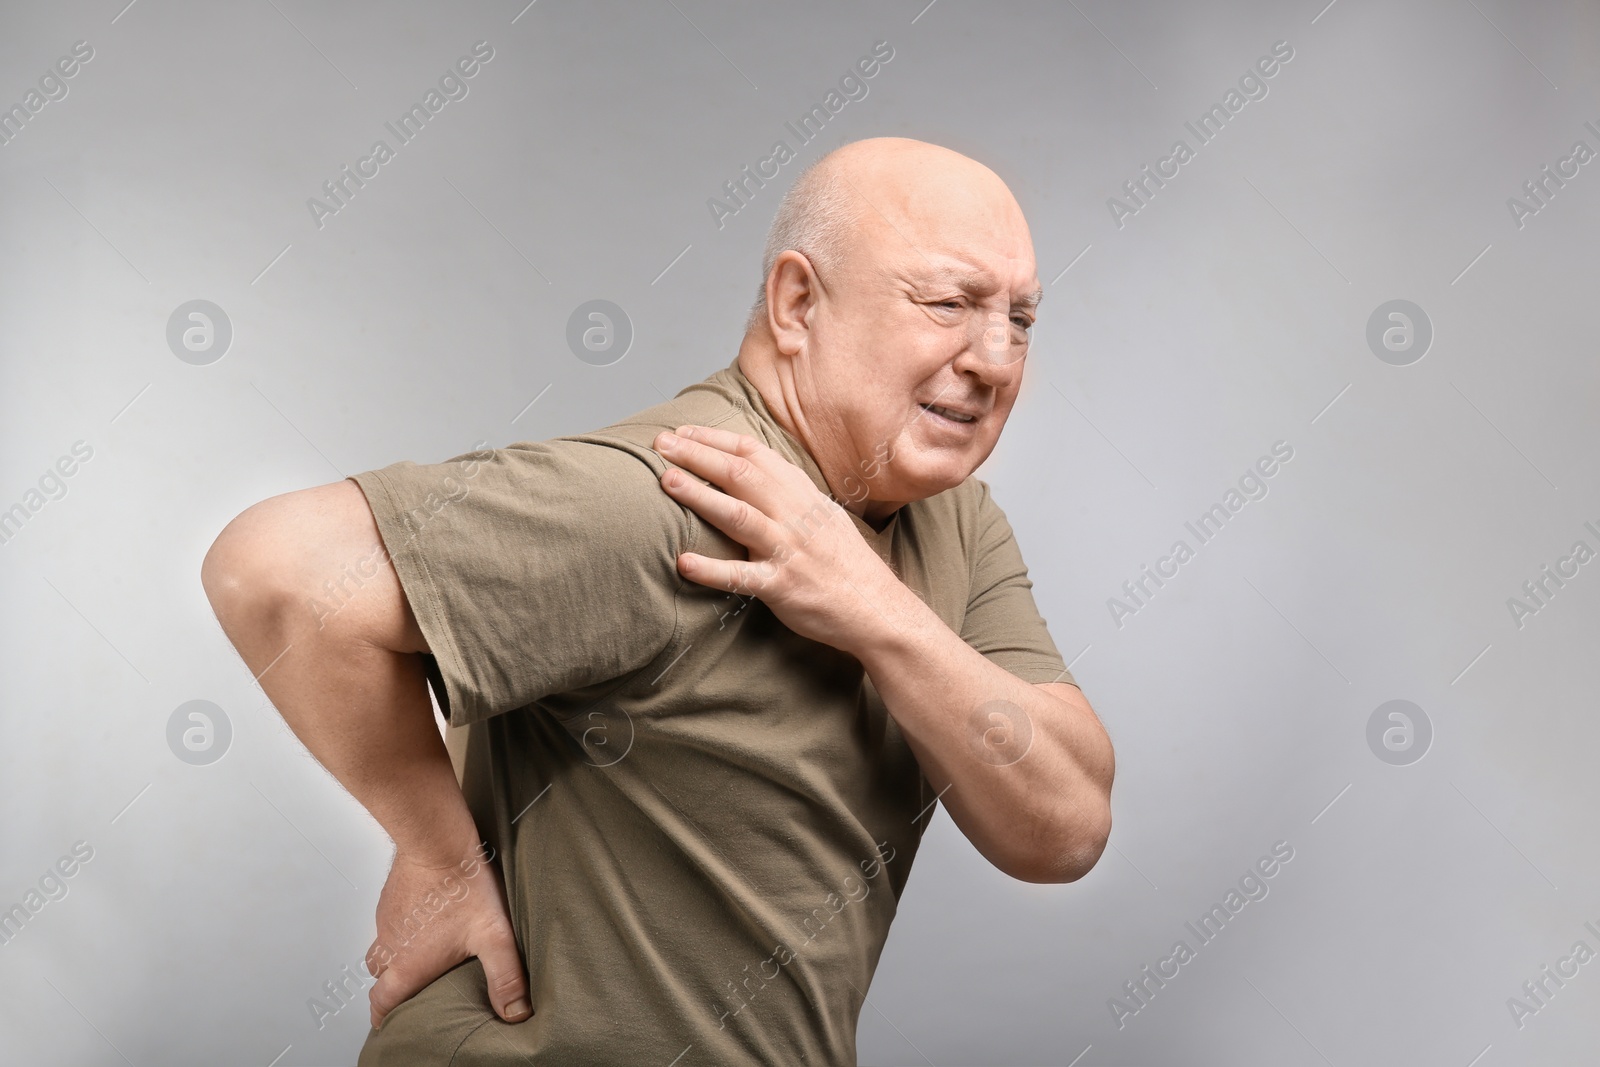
(721, 659)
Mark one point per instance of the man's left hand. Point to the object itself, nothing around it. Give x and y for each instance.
(807, 561)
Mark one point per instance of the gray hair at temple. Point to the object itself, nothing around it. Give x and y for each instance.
(815, 219)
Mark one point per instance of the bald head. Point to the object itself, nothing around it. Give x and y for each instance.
(898, 291)
(852, 194)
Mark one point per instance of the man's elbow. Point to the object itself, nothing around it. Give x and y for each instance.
(242, 587)
(220, 576)
(1068, 856)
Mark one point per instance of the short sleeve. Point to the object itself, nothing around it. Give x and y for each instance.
(533, 569)
(1002, 621)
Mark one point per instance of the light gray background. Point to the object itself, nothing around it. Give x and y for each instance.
(1228, 314)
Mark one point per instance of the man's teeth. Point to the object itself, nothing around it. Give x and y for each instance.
(947, 413)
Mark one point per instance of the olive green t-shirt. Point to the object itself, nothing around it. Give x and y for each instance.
(704, 821)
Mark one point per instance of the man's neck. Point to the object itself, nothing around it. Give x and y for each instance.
(777, 391)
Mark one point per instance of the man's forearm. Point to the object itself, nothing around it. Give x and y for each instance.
(364, 713)
(1026, 776)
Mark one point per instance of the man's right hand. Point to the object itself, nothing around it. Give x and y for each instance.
(432, 917)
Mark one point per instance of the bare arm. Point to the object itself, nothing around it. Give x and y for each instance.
(1028, 767)
(350, 684)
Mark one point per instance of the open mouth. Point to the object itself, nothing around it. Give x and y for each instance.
(947, 414)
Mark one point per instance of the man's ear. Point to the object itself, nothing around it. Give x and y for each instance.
(792, 291)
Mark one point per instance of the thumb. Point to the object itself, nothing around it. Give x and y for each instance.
(502, 970)
(387, 994)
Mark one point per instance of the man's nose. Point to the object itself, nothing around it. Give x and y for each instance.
(992, 351)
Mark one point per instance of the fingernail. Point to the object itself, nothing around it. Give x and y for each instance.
(668, 439)
(519, 1008)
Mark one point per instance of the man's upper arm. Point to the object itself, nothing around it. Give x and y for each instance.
(533, 569)
(1066, 692)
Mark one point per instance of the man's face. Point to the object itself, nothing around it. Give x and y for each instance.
(918, 352)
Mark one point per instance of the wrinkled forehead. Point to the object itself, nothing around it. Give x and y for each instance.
(975, 238)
